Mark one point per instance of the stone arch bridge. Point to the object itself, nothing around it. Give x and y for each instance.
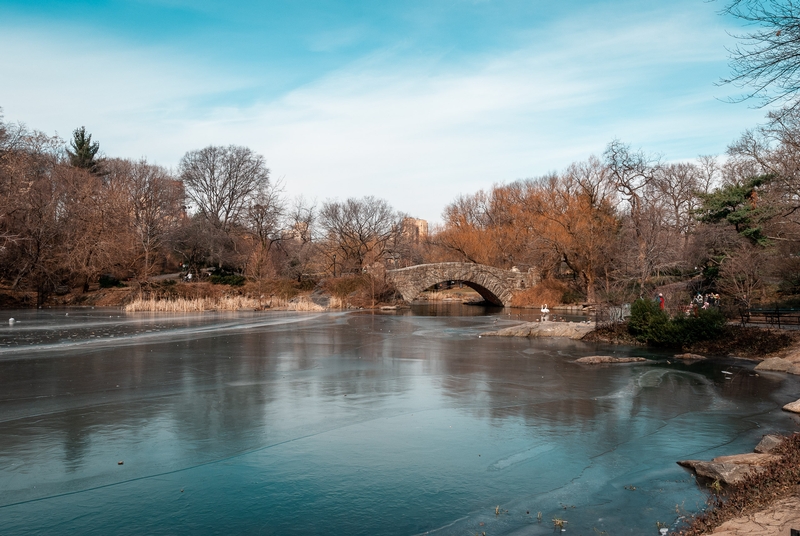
(495, 285)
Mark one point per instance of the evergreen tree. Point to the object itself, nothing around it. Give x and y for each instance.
(738, 205)
(84, 151)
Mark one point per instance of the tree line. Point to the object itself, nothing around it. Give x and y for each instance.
(606, 229)
(70, 216)
(616, 227)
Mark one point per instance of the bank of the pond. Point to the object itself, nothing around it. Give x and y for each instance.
(765, 501)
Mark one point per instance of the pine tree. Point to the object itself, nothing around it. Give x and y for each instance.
(84, 151)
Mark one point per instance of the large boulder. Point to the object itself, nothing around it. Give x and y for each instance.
(690, 357)
(726, 473)
(569, 330)
(735, 468)
(775, 364)
(794, 407)
(597, 359)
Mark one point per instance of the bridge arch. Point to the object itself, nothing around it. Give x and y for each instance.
(495, 285)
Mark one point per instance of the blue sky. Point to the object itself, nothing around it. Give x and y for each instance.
(412, 101)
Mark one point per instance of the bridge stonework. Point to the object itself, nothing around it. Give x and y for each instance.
(495, 285)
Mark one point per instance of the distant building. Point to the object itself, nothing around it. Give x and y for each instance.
(415, 229)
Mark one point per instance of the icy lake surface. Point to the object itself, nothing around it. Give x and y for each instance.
(353, 423)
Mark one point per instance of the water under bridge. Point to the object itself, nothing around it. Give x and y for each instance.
(495, 285)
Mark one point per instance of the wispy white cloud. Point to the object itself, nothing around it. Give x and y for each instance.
(414, 130)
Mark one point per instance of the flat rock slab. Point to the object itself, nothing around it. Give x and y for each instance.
(597, 359)
(794, 407)
(753, 458)
(689, 356)
(726, 473)
(570, 330)
(775, 520)
(777, 364)
(768, 443)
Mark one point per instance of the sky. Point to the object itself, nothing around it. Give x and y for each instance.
(412, 101)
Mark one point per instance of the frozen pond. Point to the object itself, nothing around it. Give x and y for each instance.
(353, 423)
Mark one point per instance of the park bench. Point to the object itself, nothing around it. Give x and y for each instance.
(773, 317)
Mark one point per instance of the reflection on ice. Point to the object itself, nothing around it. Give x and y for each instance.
(351, 423)
(43, 331)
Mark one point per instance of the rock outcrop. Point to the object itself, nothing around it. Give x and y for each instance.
(570, 330)
(725, 473)
(794, 407)
(689, 357)
(600, 359)
(776, 364)
(735, 468)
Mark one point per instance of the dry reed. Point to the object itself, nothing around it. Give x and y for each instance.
(226, 303)
(304, 305)
(183, 305)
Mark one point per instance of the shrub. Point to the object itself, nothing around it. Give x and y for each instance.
(362, 290)
(109, 281)
(232, 280)
(649, 323)
(343, 286)
(706, 325)
(283, 289)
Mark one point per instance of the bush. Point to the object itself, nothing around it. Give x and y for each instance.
(652, 325)
(232, 280)
(285, 289)
(648, 322)
(341, 287)
(362, 290)
(706, 326)
(109, 281)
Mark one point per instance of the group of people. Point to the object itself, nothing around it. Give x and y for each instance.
(700, 301)
(704, 302)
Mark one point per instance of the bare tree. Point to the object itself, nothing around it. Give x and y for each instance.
(223, 181)
(742, 275)
(767, 59)
(708, 170)
(359, 230)
(632, 173)
(677, 185)
(152, 205)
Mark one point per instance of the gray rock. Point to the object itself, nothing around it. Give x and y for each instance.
(794, 407)
(689, 356)
(726, 473)
(320, 298)
(751, 458)
(768, 443)
(598, 359)
(570, 330)
(774, 364)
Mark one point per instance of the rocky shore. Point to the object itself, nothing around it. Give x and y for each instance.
(753, 494)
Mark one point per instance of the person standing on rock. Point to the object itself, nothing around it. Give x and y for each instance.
(660, 300)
